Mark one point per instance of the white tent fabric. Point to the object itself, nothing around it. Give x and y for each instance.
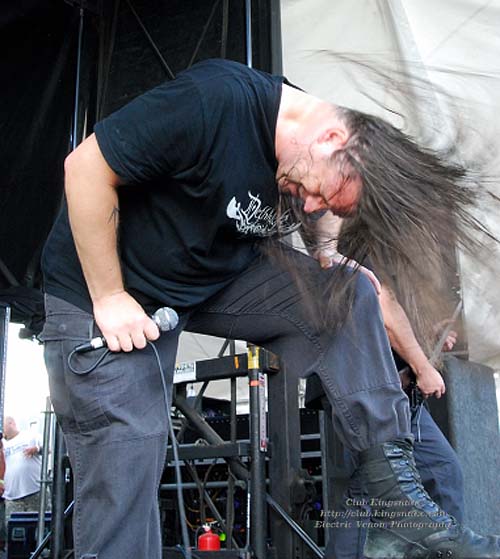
(453, 43)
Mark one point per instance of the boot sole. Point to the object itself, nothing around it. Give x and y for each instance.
(385, 544)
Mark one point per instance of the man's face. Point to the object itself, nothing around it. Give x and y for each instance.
(8, 427)
(323, 187)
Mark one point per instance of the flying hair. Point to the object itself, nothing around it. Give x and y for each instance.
(417, 207)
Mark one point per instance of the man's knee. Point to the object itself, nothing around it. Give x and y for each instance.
(359, 300)
(365, 290)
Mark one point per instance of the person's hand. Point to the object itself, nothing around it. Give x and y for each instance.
(31, 451)
(2, 488)
(327, 260)
(450, 341)
(430, 382)
(451, 338)
(123, 322)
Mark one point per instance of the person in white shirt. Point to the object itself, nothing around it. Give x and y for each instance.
(22, 472)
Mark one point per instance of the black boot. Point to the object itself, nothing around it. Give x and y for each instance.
(405, 521)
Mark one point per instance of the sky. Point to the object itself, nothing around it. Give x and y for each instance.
(26, 385)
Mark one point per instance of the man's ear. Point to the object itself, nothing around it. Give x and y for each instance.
(336, 136)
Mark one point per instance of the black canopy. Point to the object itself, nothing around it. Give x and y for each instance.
(109, 52)
(37, 45)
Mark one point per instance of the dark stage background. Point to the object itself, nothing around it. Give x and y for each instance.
(66, 64)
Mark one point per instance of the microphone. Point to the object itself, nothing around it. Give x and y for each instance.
(165, 318)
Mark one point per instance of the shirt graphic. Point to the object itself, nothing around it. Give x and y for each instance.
(259, 220)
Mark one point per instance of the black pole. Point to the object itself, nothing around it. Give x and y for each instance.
(76, 108)
(156, 50)
(258, 443)
(276, 39)
(248, 32)
(4, 334)
(295, 527)
(45, 480)
(233, 434)
(58, 497)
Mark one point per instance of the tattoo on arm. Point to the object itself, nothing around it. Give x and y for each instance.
(114, 216)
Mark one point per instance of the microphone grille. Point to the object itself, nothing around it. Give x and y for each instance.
(166, 319)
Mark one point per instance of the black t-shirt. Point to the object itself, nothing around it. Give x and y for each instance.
(197, 157)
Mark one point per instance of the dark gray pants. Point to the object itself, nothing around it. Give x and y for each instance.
(114, 417)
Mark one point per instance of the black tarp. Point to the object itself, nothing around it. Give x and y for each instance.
(37, 42)
(38, 68)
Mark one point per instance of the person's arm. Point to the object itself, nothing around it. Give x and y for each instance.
(403, 340)
(327, 230)
(91, 191)
(35, 448)
(2, 468)
(31, 451)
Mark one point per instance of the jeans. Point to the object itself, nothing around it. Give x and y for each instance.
(441, 475)
(114, 417)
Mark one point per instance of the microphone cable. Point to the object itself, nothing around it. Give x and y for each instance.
(91, 368)
(178, 474)
(186, 549)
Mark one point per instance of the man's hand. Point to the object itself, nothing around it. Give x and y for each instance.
(430, 381)
(451, 340)
(31, 451)
(327, 260)
(123, 322)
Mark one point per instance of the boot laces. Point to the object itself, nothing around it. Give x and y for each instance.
(416, 492)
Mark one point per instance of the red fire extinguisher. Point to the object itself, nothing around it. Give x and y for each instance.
(208, 541)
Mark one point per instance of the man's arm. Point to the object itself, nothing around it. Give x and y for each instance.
(403, 340)
(2, 468)
(31, 451)
(91, 191)
(35, 448)
(398, 327)
(327, 229)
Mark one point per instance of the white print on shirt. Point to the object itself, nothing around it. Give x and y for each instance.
(258, 220)
(15, 449)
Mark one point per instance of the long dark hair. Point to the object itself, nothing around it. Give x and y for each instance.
(416, 209)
